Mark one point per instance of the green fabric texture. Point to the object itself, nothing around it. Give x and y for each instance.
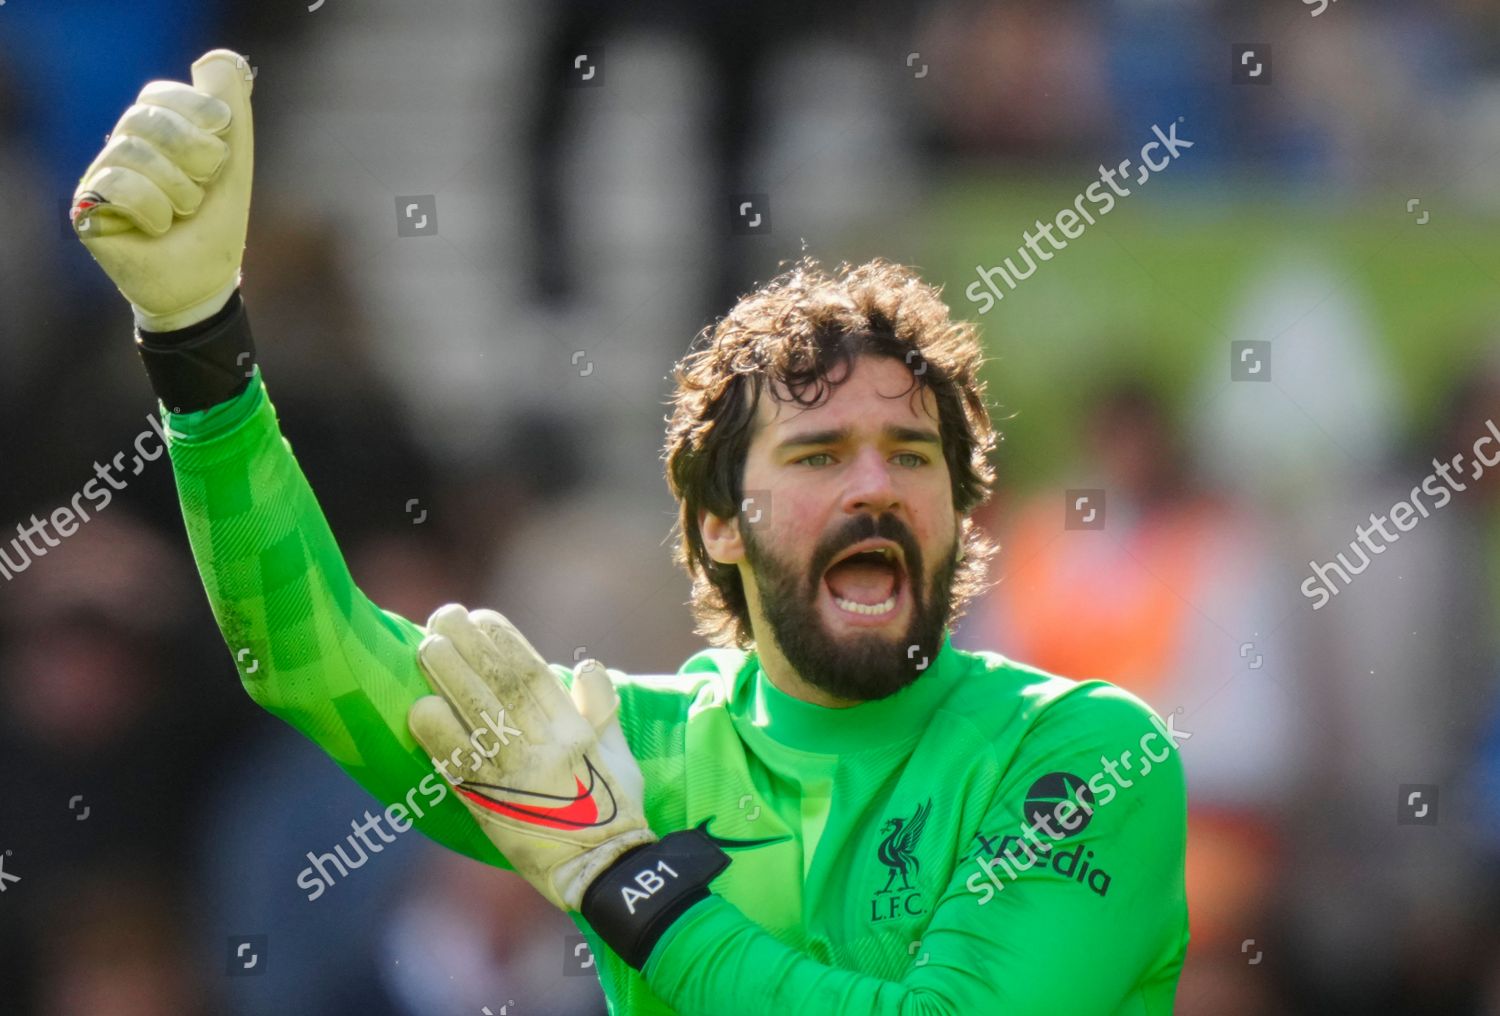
(865, 876)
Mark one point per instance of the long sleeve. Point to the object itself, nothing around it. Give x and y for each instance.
(310, 647)
(1096, 923)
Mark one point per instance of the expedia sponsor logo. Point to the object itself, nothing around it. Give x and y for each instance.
(1077, 863)
(1057, 806)
(1047, 794)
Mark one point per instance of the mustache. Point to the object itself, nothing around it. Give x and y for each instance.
(868, 527)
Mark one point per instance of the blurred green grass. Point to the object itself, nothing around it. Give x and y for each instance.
(1151, 288)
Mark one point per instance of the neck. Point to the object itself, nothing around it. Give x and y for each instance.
(786, 679)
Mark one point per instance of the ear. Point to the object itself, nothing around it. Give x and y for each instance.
(721, 537)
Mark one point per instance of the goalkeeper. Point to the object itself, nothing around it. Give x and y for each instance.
(833, 810)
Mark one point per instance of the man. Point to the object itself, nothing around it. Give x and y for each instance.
(834, 810)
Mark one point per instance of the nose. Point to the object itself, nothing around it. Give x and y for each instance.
(871, 487)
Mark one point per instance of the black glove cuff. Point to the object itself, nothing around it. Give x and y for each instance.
(204, 364)
(638, 897)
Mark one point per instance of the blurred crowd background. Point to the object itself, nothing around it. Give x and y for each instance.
(481, 413)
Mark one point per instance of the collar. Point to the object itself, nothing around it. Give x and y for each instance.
(760, 709)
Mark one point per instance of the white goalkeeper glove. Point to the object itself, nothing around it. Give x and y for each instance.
(547, 775)
(165, 206)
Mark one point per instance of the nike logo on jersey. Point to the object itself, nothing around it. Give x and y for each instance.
(732, 844)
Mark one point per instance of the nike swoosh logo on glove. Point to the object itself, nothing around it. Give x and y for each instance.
(580, 812)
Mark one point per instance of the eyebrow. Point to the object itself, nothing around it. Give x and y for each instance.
(841, 435)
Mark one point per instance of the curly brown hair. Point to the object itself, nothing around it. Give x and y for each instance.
(793, 332)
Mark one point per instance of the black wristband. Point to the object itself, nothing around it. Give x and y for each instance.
(638, 897)
(204, 364)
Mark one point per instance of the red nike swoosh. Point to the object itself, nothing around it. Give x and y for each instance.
(581, 811)
(86, 200)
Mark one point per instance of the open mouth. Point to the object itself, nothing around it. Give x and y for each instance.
(868, 582)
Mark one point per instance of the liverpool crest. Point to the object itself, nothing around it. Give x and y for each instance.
(898, 852)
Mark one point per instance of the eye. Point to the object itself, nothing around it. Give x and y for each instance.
(915, 459)
(807, 460)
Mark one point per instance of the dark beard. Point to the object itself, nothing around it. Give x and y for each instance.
(863, 667)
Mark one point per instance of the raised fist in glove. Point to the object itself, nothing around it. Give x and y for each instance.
(547, 774)
(165, 206)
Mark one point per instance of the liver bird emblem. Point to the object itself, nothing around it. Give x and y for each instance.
(898, 850)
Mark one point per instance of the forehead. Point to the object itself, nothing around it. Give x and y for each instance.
(877, 391)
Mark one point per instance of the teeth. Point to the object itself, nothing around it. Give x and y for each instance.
(886, 552)
(871, 609)
(865, 608)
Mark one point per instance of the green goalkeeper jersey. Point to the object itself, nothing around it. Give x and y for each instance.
(989, 840)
